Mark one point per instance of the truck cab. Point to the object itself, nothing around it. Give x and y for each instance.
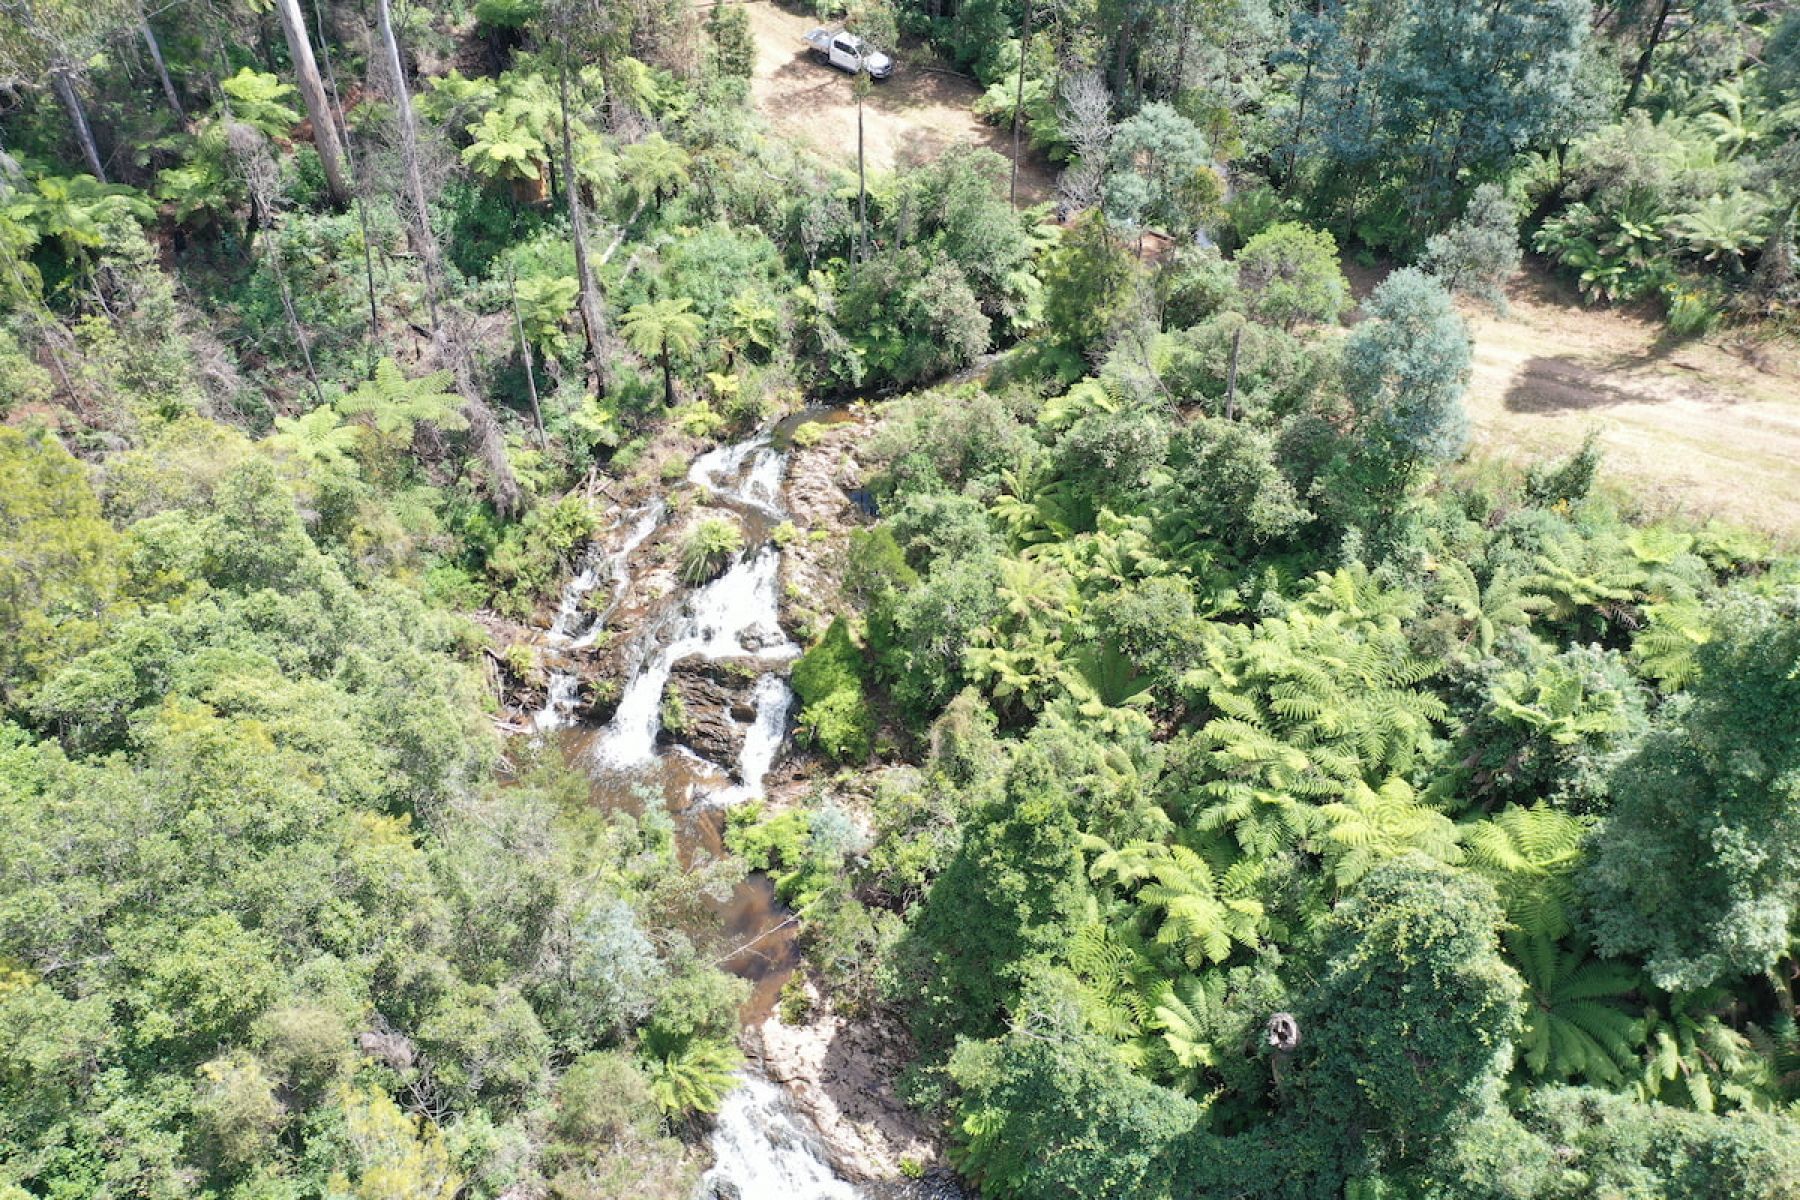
(847, 52)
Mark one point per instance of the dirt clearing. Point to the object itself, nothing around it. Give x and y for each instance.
(1697, 428)
(909, 118)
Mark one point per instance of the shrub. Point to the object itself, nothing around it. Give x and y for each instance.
(707, 548)
(1289, 273)
(835, 713)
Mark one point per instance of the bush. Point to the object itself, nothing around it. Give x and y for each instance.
(835, 713)
(707, 548)
(1289, 273)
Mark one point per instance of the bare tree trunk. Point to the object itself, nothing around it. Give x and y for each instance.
(64, 87)
(1642, 68)
(409, 153)
(162, 69)
(537, 414)
(503, 485)
(593, 315)
(362, 203)
(862, 185)
(1018, 120)
(312, 90)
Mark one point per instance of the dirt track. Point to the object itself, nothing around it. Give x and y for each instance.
(1702, 428)
(912, 117)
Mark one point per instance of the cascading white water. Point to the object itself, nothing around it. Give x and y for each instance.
(559, 693)
(712, 624)
(764, 1149)
(762, 742)
(764, 1152)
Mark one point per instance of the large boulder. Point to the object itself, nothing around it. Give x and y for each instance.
(707, 706)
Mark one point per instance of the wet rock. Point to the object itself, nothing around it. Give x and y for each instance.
(841, 1074)
(762, 637)
(707, 706)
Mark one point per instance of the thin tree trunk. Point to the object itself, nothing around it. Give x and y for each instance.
(409, 153)
(484, 430)
(312, 91)
(64, 87)
(162, 69)
(293, 317)
(862, 185)
(537, 414)
(1642, 68)
(1019, 103)
(593, 315)
(362, 203)
(1237, 340)
(668, 377)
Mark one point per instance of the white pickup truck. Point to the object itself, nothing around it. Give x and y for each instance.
(847, 52)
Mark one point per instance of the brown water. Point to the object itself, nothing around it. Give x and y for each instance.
(753, 934)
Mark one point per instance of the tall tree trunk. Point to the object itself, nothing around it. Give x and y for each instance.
(162, 69)
(862, 183)
(590, 302)
(1642, 68)
(362, 202)
(1018, 121)
(312, 91)
(64, 86)
(668, 369)
(537, 413)
(484, 430)
(409, 154)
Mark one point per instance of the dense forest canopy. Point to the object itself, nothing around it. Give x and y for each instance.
(1234, 779)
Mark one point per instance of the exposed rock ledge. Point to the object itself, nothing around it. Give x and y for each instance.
(707, 705)
(840, 1074)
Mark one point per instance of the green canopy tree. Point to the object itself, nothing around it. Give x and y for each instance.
(1697, 866)
(660, 329)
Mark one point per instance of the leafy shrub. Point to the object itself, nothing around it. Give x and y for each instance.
(835, 713)
(708, 547)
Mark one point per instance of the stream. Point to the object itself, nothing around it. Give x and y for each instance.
(763, 1149)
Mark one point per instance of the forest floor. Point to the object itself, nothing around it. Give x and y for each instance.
(1697, 427)
(911, 117)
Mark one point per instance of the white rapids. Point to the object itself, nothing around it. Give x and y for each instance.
(763, 1151)
(737, 615)
(572, 629)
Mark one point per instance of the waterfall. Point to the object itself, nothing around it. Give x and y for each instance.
(559, 693)
(737, 615)
(763, 1151)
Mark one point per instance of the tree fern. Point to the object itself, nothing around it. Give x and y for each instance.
(1200, 921)
(1306, 707)
(1694, 1060)
(1667, 648)
(1530, 856)
(694, 1076)
(1372, 826)
(394, 405)
(1576, 1022)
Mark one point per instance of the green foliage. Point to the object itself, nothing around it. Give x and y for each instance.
(1694, 867)
(835, 713)
(708, 547)
(1087, 282)
(1480, 252)
(1415, 1014)
(1289, 273)
(694, 1077)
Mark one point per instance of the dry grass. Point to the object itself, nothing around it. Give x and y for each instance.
(1698, 428)
(911, 117)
